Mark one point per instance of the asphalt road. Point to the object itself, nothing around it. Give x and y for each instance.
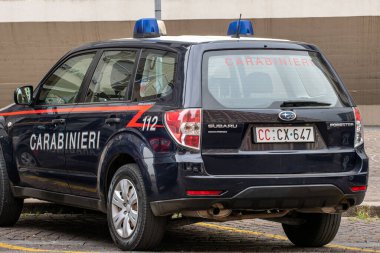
(89, 233)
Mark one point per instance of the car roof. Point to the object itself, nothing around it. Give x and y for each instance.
(182, 40)
(197, 39)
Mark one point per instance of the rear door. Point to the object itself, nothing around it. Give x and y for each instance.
(104, 111)
(274, 112)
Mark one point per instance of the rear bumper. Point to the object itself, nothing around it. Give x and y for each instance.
(175, 175)
(283, 197)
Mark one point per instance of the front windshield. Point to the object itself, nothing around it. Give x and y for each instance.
(266, 79)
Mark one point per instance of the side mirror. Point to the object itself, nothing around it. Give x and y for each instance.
(24, 95)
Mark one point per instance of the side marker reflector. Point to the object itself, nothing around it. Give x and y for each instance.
(358, 188)
(203, 193)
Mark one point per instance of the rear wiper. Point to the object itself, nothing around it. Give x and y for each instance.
(298, 103)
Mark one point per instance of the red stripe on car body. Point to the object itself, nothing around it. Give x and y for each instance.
(132, 123)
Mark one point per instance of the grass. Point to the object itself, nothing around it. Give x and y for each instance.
(365, 213)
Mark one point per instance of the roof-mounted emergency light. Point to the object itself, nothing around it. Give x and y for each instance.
(149, 28)
(240, 28)
(146, 28)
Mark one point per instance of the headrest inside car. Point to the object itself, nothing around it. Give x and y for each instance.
(258, 82)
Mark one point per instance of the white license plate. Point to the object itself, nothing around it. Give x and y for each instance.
(283, 134)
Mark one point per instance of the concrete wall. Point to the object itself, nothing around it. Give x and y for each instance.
(123, 10)
(74, 10)
(34, 34)
(230, 9)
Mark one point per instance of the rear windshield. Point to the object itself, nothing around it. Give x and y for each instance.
(266, 79)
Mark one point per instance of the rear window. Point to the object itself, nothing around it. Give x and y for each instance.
(266, 79)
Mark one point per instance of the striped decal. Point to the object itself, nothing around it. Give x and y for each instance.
(141, 109)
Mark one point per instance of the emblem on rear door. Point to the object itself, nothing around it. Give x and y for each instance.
(287, 115)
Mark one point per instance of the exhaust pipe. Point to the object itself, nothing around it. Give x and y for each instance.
(215, 212)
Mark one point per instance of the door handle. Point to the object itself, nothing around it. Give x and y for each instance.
(113, 120)
(58, 121)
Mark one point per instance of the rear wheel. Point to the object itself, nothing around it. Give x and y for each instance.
(130, 219)
(318, 229)
(10, 207)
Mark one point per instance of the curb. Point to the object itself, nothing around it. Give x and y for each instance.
(34, 206)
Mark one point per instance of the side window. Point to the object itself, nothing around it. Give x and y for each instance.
(155, 75)
(62, 87)
(112, 76)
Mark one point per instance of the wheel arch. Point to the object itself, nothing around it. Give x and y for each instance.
(126, 147)
(7, 153)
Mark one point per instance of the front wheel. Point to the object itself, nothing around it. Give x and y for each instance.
(10, 207)
(317, 230)
(130, 219)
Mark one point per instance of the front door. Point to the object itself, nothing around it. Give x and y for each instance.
(39, 137)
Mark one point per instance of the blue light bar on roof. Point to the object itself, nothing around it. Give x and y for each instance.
(245, 29)
(146, 28)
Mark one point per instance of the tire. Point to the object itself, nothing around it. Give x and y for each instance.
(129, 233)
(10, 207)
(318, 230)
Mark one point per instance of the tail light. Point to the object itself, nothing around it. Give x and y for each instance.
(359, 135)
(185, 127)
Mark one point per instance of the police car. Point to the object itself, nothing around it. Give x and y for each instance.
(220, 128)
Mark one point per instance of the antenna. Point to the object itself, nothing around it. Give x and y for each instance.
(238, 28)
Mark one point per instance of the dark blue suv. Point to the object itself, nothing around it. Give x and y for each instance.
(218, 128)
